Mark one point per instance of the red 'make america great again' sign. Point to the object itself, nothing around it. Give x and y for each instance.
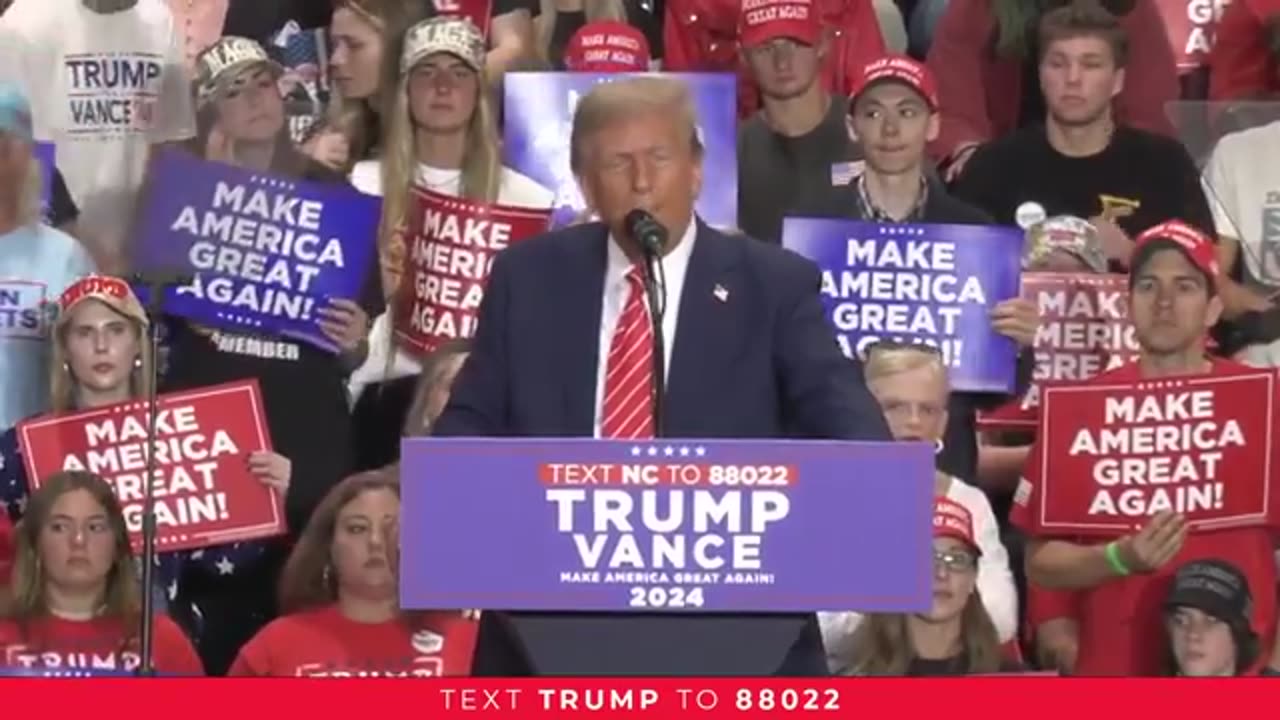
(451, 246)
(1112, 455)
(204, 493)
(1084, 330)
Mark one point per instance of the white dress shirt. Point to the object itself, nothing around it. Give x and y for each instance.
(675, 265)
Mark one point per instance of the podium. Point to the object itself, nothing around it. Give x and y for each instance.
(671, 557)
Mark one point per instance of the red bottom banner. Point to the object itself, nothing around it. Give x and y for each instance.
(988, 698)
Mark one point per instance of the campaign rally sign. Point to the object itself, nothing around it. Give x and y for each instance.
(1191, 26)
(266, 253)
(538, 116)
(451, 245)
(1084, 330)
(932, 284)
(45, 154)
(24, 310)
(680, 525)
(1112, 455)
(204, 493)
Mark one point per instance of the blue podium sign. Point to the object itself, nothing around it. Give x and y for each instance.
(671, 526)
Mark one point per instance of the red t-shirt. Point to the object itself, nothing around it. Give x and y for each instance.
(1121, 621)
(325, 643)
(54, 643)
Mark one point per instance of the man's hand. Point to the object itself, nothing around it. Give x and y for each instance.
(1017, 319)
(1158, 542)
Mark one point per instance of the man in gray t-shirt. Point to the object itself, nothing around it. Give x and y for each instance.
(798, 144)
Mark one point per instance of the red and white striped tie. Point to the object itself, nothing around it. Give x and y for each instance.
(628, 382)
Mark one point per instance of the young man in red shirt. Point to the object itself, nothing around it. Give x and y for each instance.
(1096, 605)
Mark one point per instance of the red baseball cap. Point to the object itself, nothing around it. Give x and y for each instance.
(112, 291)
(607, 46)
(953, 520)
(764, 20)
(901, 69)
(1194, 244)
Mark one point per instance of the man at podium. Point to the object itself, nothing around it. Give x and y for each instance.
(565, 347)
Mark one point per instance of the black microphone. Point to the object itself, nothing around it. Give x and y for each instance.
(645, 229)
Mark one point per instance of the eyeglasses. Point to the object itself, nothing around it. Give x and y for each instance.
(957, 562)
(898, 345)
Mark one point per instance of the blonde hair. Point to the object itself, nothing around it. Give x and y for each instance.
(481, 169)
(359, 119)
(62, 386)
(26, 598)
(881, 363)
(596, 10)
(881, 646)
(610, 102)
(416, 423)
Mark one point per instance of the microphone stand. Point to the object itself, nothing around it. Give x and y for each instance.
(155, 300)
(655, 287)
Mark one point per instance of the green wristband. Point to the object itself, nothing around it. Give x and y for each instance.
(1112, 553)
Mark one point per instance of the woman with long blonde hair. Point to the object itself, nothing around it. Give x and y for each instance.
(339, 597)
(365, 37)
(441, 134)
(910, 383)
(74, 600)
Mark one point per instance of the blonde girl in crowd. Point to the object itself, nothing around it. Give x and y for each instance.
(339, 596)
(74, 601)
(441, 134)
(910, 383)
(954, 637)
(101, 357)
(366, 37)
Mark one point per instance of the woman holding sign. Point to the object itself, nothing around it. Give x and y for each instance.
(241, 121)
(101, 358)
(956, 635)
(340, 593)
(910, 384)
(441, 142)
(74, 599)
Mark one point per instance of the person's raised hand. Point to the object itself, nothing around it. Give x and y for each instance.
(1157, 543)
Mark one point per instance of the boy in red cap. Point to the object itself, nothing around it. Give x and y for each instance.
(893, 114)
(787, 151)
(1096, 606)
(607, 46)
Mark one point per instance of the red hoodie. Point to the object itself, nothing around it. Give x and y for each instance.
(702, 36)
(981, 94)
(1240, 65)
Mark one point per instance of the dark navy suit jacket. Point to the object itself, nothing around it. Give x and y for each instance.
(753, 357)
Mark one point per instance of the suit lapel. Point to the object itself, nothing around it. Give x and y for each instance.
(582, 292)
(705, 329)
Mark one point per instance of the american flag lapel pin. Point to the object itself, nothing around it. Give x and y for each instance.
(721, 293)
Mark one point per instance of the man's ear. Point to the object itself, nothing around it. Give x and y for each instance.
(1117, 87)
